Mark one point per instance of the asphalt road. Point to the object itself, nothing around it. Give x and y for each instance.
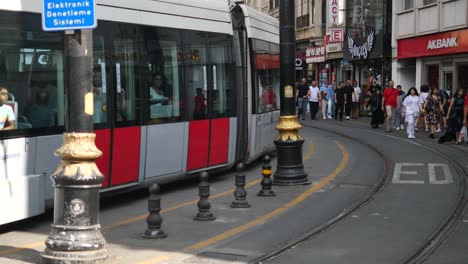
(405, 215)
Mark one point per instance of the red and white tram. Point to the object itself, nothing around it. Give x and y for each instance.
(179, 86)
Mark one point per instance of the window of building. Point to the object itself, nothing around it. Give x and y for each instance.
(407, 4)
(428, 2)
(274, 4)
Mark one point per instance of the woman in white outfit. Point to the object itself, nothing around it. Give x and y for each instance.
(412, 104)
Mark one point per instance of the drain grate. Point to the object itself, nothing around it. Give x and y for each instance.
(352, 186)
(216, 258)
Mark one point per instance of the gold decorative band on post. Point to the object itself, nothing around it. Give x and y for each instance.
(79, 170)
(288, 129)
(78, 147)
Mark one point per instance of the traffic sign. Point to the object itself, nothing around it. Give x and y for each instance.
(68, 14)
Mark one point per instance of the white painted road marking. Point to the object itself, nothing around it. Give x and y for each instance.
(448, 179)
(398, 172)
(439, 173)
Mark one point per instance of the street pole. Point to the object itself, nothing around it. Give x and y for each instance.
(75, 235)
(289, 169)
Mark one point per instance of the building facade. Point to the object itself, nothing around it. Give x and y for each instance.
(430, 43)
(367, 46)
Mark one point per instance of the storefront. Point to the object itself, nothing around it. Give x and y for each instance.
(439, 60)
(318, 69)
(367, 41)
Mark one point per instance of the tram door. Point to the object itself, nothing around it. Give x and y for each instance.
(209, 87)
(126, 133)
(117, 133)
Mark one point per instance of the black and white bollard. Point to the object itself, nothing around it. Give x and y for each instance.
(204, 205)
(240, 193)
(266, 181)
(154, 220)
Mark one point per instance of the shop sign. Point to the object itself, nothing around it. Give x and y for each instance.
(358, 16)
(299, 63)
(333, 47)
(336, 12)
(337, 35)
(315, 54)
(363, 50)
(433, 45)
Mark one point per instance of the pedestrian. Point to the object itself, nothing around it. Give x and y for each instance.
(356, 102)
(389, 104)
(412, 108)
(445, 99)
(422, 120)
(454, 118)
(340, 100)
(399, 114)
(302, 98)
(314, 99)
(330, 101)
(433, 108)
(323, 94)
(376, 109)
(349, 90)
(374, 86)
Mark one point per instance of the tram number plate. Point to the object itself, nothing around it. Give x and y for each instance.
(414, 173)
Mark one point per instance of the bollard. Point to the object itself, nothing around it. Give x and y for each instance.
(204, 205)
(266, 181)
(154, 220)
(240, 194)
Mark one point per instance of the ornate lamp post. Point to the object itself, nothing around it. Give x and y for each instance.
(290, 169)
(75, 235)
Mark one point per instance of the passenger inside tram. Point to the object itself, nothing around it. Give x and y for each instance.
(41, 114)
(7, 116)
(99, 115)
(200, 105)
(160, 104)
(268, 99)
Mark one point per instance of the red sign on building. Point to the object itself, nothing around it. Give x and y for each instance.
(433, 45)
(315, 54)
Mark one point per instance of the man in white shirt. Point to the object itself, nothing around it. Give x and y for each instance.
(7, 117)
(314, 99)
(356, 104)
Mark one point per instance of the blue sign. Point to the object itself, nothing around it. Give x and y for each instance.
(68, 14)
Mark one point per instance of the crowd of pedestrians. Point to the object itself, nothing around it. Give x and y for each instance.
(431, 109)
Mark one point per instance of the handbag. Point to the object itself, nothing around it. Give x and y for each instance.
(463, 135)
(428, 107)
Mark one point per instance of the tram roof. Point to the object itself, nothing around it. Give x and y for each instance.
(260, 25)
(202, 15)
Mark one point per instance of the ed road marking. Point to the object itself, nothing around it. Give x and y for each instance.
(438, 173)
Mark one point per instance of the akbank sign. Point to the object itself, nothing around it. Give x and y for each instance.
(442, 43)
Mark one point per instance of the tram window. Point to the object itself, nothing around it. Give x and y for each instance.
(208, 75)
(196, 72)
(267, 79)
(221, 64)
(125, 79)
(99, 80)
(31, 66)
(163, 67)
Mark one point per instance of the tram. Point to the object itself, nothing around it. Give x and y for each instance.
(179, 86)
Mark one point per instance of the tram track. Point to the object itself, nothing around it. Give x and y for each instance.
(452, 220)
(434, 240)
(346, 212)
